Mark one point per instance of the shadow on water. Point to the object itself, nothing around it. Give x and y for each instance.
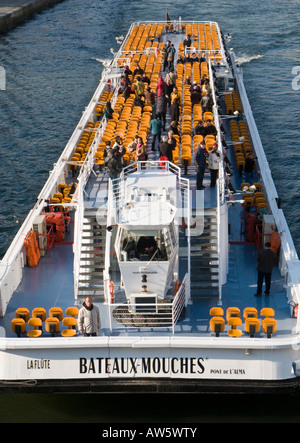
(148, 408)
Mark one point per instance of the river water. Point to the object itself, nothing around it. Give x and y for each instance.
(53, 64)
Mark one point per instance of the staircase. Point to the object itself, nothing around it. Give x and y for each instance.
(92, 257)
(204, 259)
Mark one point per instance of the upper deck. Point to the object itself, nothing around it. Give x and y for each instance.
(51, 283)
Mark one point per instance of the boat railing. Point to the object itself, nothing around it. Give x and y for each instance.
(162, 314)
(220, 185)
(109, 222)
(78, 223)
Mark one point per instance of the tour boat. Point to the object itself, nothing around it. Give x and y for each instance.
(182, 314)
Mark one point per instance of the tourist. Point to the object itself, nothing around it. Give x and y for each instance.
(141, 154)
(150, 97)
(213, 161)
(199, 129)
(145, 79)
(210, 129)
(89, 321)
(139, 87)
(113, 165)
(187, 42)
(108, 111)
(138, 71)
(160, 86)
(161, 109)
(249, 165)
(165, 148)
(131, 148)
(200, 157)
(155, 129)
(174, 104)
(166, 50)
(266, 262)
(207, 103)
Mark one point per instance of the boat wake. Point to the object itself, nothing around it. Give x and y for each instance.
(248, 58)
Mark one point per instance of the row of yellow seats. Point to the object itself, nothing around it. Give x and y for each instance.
(141, 34)
(242, 145)
(52, 321)
(232, 102)
(250, 316)
(84, 144)
(254, 198)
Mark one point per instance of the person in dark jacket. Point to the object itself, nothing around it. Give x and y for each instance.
(165, 148)
(128, 91)
(266, 262)
(210, 129)
(199, 129)
(249, 165)
(113, 165)
(200, 163)
(161, 109)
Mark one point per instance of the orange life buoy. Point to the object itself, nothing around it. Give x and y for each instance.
(112, 292)
(177, 286)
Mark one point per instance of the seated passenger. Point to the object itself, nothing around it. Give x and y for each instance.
(146, 246)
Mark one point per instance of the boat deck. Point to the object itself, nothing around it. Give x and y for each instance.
(51, 283)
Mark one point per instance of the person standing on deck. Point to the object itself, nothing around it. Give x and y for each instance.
(139, 87)
(161, 109)
(174, 105)
(187, 43)
(213, 161)
(266, 262)
(200, 163)
(108, 111)
(155, 128)
(89, 321)
(166, 50)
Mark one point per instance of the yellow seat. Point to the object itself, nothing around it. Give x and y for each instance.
(269, 326)
(36, 331)
(218, 311)
(39, 313)
(56, 312)
(232, 312)
(258, 186)
(217, 325)
(72, 311)
(71, 322)
(252, 325)
(234, 322)
(267, 312)
(245, 184)
(23, 313)
(18, 326)
(249, 312)
(52, 325)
